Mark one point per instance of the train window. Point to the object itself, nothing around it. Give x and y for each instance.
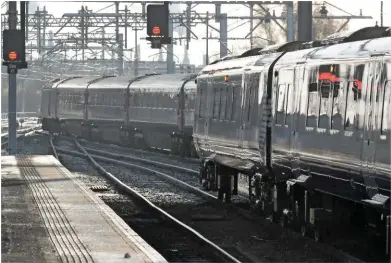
(288, 103)
(252, 94)
(351, 106)
(338, 103)
(223, 102)
(233, 99)
(357, 81)
(324, 89)
(249, 100)
(190, 102)
(202, 109)
(216, 103)
(386, 107)
(280, 100)
(228, 109)
(313, 105)
(200, 99)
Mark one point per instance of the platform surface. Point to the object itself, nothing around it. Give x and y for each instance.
(49, 216)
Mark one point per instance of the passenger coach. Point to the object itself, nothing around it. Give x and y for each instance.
(147, 111)
(308, 124)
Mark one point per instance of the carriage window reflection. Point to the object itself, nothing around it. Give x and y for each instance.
(324, 90)
(313, 105)
(228, 103)
(353, 96)
(281, 101)
(216, 103)
(338, 103)
(252, 95)
(222, 103)
(386, 108)
(233, 99)
(201, 106)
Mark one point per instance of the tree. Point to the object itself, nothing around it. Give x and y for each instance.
(269, 29)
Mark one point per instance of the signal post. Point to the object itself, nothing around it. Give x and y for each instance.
(14, 58)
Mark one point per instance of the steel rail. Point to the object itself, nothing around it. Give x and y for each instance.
(134, 193)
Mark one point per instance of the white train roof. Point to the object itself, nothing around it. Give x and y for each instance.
(353, 49)
(360, 43)
(120, 82)
(169, 82)
(73, 83)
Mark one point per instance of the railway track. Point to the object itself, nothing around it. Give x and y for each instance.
(175, 240)
(350, 239)
(214, 220)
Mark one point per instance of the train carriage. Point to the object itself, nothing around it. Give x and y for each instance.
(145, 111)
(311, 131)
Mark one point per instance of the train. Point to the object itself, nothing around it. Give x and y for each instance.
(307, 123)
(147, 111)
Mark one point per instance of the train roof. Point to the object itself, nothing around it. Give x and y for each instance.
(73, 83)
(161, 82)
(120, 82)
(356, 49)
(235, 63)
(360, 43)
(167, 82)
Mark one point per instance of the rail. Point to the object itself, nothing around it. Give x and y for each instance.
(92, 158)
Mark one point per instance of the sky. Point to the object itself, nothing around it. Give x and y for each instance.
(197, 47)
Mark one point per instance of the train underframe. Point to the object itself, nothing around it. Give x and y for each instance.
(131, 135)
(295, 203)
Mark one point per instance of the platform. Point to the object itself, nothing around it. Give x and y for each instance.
(50, 216)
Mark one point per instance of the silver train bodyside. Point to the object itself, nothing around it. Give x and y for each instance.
(309, 128)
(147, 111)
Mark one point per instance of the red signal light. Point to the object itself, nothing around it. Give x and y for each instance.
(156, 30)
(12, 55)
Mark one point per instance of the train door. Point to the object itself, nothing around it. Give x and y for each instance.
(370, 90)
(200, 129)
(208, 111)
(293, 113)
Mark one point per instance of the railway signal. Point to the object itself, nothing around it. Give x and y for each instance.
(14, 48)
(157, 25)
(14, 57)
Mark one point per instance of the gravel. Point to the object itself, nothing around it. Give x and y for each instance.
(151, 187)
(153, 156)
